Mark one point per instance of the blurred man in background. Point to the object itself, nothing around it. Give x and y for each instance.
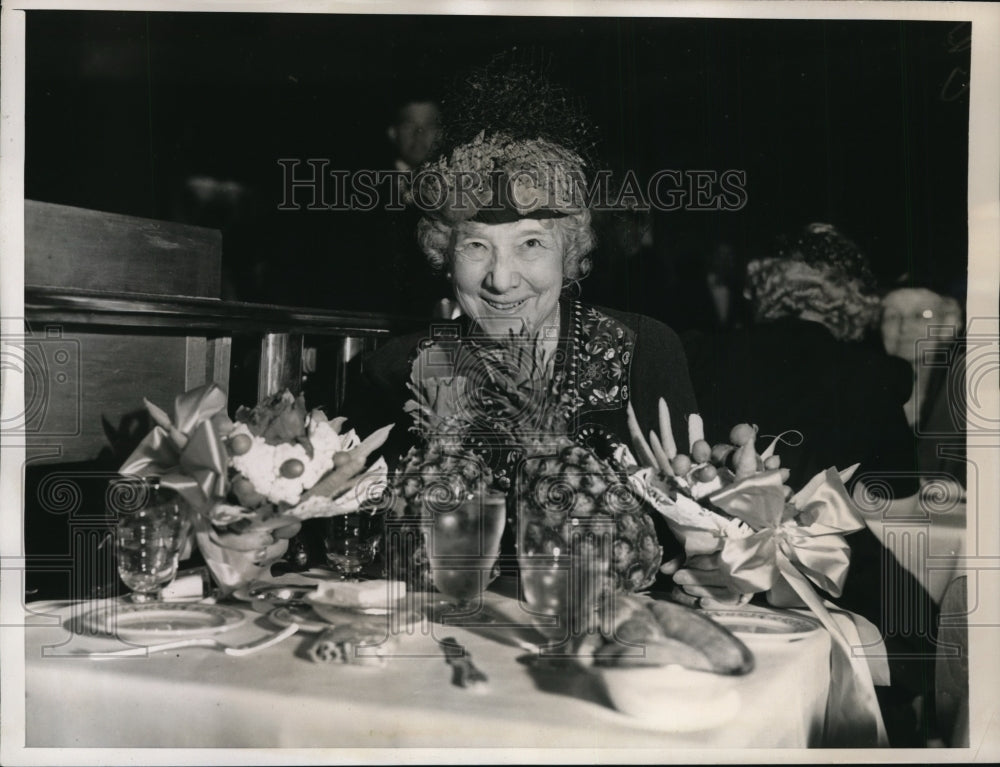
(414, 131)
(410, 286)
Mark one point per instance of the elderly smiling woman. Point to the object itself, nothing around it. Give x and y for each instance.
(511, 246)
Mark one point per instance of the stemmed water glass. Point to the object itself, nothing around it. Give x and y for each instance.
(150, 528)
(462, 540)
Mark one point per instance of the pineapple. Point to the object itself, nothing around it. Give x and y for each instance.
(571, 491)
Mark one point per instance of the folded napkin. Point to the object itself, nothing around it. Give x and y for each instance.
(187, 587)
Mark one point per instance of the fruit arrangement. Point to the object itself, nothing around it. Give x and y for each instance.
(274, 466)
(731, 502)
(706, 468)
(730, 507)
(287, 463)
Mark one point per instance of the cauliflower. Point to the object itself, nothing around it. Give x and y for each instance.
(262, 463)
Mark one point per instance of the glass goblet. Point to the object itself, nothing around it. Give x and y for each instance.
(566, 583)
(352, 541)
(462, 541)
(151, 525)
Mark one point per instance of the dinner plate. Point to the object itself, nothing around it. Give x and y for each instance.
(156, 619)
(763, 623)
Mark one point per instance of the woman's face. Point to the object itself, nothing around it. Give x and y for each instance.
(509, 276)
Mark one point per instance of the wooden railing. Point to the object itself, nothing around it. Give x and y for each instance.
(207, 316)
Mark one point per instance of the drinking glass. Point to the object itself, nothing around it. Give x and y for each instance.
(352, 541)
(566, 583)
(151, 525)
(462, 540)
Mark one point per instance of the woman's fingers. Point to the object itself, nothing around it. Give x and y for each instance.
(699, 581)
(682, 597)
(702, 578)
(724, 599)
(671, 567)
(288, 531)
(708, 597)
(704, 562)
(689, 577)
(717, 593)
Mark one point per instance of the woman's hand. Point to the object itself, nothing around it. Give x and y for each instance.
(237, 558)
(702, 583)
(265, 545)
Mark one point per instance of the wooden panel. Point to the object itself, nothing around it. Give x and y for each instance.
(80, 383)
(79, 248)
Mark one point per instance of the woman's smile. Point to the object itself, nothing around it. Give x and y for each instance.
(506, 306)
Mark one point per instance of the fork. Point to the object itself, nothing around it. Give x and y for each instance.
(238, 650)
(465, 673)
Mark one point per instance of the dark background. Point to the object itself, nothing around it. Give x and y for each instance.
(860, 123)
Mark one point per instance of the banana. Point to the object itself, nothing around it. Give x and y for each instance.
(648, 632)
(725, 653)
(663, 652)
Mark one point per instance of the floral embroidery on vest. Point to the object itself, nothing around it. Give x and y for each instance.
(602, 357)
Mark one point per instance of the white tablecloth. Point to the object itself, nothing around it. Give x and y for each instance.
(198, 697)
